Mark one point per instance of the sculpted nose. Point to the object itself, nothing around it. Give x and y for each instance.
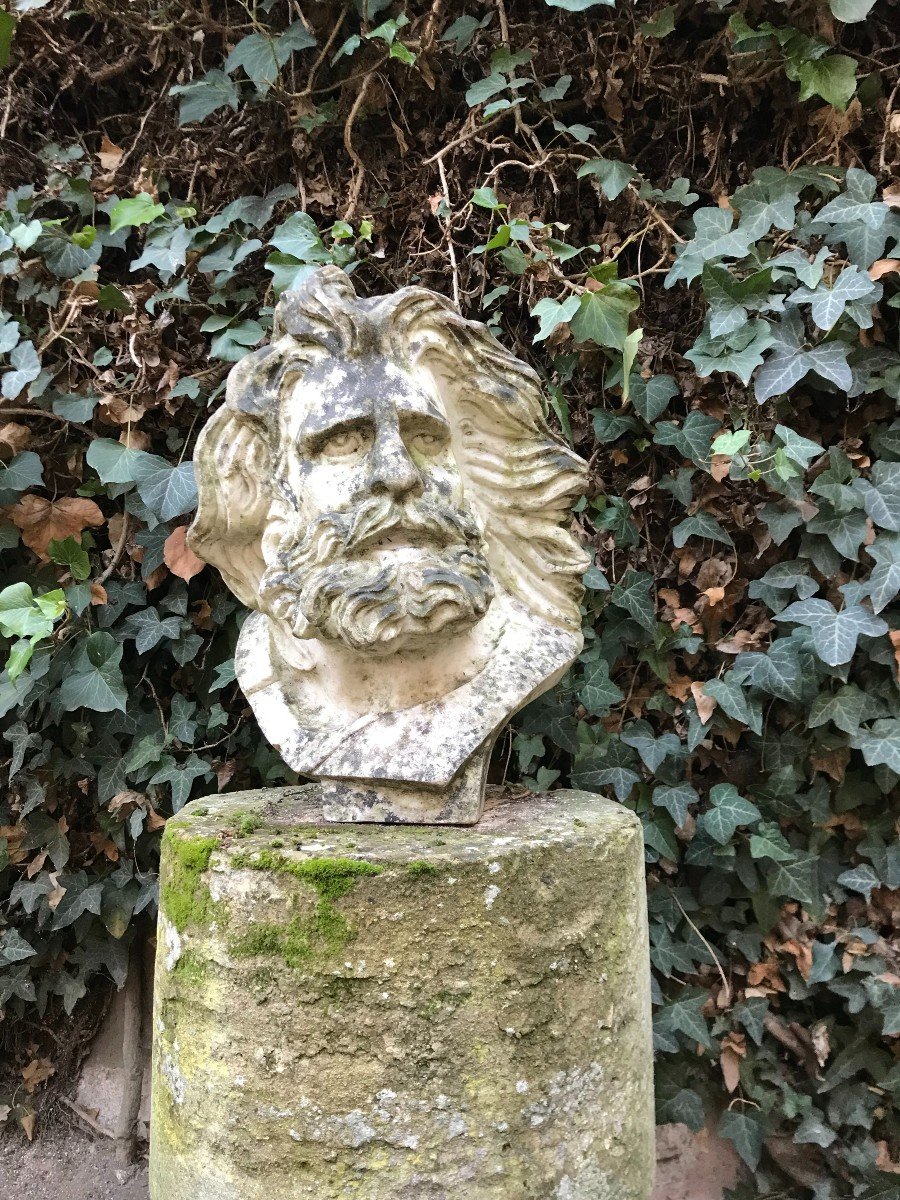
(392, 469)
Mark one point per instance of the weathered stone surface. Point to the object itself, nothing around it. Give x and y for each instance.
(381, 488)
(402, 1012)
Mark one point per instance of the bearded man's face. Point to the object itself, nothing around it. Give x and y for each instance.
(375, 545)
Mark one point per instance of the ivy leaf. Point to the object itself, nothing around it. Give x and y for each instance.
(744, 1128)
(95, 679)
(14, 948)
(597, 692)
(633, 594)
(261, 58)
(701, 525)
(855, 203)
(166, 490)
(729, 810)
(601, 766)
(850, 11)
(204, 96)
(769, 842)
(715, 236)
(115, 463)
(651, 397)
(579, 5)
(552, 313)
(827, 304)
(148, 629)
(798, 879)
(834, 633)
(614, 176)
(739, 352)
(832, 77)
(23, 471)
(692, 438)
(602, 316)
(684, 1015)
(181, 778)
(652, 749)
(880, 744)
(846, 709)
(860, 879)
(733, 700)
(26, 366)
(140, 210)
(676, 800)
(846, 531)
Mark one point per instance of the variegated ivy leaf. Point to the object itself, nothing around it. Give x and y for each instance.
(715, 237)
(738, 353)
(828, 304)
(834, 633)
(792, 361)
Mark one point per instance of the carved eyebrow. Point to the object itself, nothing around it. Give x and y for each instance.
(314, 439)
(422, 422)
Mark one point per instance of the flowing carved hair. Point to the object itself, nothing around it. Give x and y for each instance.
(519, 477)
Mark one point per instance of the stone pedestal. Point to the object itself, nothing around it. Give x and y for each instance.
(402, 1012)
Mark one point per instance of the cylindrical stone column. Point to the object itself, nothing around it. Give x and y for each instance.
(391, 1012)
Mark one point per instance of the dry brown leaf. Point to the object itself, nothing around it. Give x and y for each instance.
(128, 800)
(706, 705)
(155, 821)
(894, 635)
(715, 595)
(225, 772)
(679, 686)
(179, 557)
(42, 521)
(38, 1071)
(28, 1122)
(884, 266)
(36, 864)
(13, 438)
(833, 762)
(109, 154)
(884, 1162)
(99, 594)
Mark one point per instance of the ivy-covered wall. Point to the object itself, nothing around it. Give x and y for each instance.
(688, 219)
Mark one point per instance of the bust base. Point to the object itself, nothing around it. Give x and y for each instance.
(402, 1012)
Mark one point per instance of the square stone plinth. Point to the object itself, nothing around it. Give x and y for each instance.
(402, 1012)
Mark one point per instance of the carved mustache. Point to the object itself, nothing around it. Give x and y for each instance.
(344, 534)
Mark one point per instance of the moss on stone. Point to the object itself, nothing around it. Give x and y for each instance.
(191, 968)
(421, 869)
(331, 877)
(184, 898)
(246, 823)
(326, 931)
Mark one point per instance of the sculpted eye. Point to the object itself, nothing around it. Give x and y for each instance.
(344, 444)
(429, 443)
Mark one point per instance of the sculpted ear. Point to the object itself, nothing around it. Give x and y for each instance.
(234, 468)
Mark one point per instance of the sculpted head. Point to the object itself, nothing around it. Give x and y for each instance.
(381, 471)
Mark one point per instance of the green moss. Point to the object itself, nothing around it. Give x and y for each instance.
(331, 877)
(201, 811)
(246, 823)
(191, 968)
(184, 898)
(421, 868)
(323, 933)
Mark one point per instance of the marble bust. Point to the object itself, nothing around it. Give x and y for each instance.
(380, 487)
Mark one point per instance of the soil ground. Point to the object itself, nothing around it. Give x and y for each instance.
(66, 1164)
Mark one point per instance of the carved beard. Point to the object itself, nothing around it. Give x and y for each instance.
(326, 583)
